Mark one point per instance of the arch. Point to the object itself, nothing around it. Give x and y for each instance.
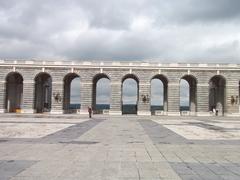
(43, 93)
(13, 92)
(162, 93)
(68, 105)
(132, 76)
(189, 92)
(217, 99)
(101, 88)
(130, 104)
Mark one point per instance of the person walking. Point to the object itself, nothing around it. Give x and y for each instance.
(90, 112)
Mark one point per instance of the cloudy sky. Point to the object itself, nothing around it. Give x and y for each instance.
(186, 30)
(149, 30)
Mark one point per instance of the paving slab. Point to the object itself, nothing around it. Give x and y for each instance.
(119, 147)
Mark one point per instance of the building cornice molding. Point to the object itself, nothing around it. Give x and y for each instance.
(118, 65)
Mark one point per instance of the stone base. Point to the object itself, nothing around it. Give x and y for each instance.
(192, 113)
(160, 113)
(232, 114)
(174, 114)
(111, 112)
(56, 112)
(188, 113)
(28, 111)
(83, 111)
(144, 113)
(203, 114)
(2, 110)
(185, 113)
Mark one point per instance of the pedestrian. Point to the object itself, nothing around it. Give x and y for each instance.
(214, 111)
(90, 112)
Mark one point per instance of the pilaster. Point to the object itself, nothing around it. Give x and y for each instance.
(28, 96)
(173, 99)
(86, 96)
(116, 95)
(57, 97)
(2, 96)
(203, 99)
(144, 106)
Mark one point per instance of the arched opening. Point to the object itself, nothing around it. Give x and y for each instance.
(159, 94)
(101, 94)
(217, 95)
(71, 100)
(188, 88)
(130, 94)
(14, 91)
(43, 93)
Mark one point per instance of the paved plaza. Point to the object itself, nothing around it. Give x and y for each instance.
(73, 147)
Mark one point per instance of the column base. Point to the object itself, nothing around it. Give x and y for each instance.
(144, 113)
(84, 111)
(111, 112)
(159, 113)
(173, 113)
(28, 111)
(56, 112)
(232, 114)
(203, 114)
(2, 110)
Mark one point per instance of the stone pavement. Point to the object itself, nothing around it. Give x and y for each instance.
(121, 148)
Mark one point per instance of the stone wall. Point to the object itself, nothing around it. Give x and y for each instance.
(144, 72)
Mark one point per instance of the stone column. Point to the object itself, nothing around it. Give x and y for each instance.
(173, 99)
(165, 99)
(86, 95)
(203, 99)
(94, 96)
(193, 102)
(116, 98)
(232, 100)
(57, 97)
(28, 96)
(144, 105)
(2, 96)
(66, 97)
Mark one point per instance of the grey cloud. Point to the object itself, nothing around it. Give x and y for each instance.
(178, 31)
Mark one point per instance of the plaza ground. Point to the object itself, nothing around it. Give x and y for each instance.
(73, 147)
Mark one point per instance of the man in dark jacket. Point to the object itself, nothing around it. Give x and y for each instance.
(90, 112)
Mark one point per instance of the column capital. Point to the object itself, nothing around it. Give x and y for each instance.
(57, 82)
(144, 84)
(28, 82)
(116, 83)
(203, 84)
(173, 84)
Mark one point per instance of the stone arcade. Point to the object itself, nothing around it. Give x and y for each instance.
(44, 86)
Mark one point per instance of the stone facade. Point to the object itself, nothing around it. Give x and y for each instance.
(220, 79)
